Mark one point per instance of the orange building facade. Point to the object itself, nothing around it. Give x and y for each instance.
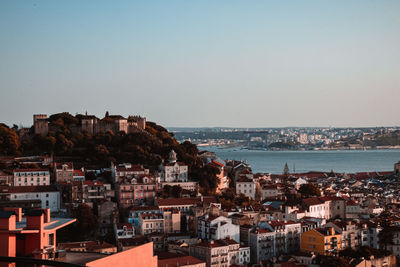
(33, 235)
(137, 256)
(321, 241)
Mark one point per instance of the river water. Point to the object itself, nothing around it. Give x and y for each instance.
(349, 161)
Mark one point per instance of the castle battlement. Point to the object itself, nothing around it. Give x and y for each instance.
(94, 125)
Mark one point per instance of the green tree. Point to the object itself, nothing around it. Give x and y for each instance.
(385, 236)
(85, 227)
(9, 141)
(207, 177)
(309, 190)
(331, 261)
(176, 191)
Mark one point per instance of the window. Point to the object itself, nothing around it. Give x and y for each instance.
(51, 239)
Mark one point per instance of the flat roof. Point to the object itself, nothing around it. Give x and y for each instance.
(57, 223)
(54, 224)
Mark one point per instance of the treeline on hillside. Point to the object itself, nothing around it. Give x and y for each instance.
(386, 139)
(147, 147)
(389, 139)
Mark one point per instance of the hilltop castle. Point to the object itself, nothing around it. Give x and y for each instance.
(94, 125)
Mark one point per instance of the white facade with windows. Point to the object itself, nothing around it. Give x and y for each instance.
(246, 187)
(269, 191)
(173, 171)
(217, 228)
(262, 244)
(49, 199)
(124, 230)
(151, 223)
(31, 177)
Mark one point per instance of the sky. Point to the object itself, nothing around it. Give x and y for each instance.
(203, 63)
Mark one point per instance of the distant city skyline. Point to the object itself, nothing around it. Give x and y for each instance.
(203, 64)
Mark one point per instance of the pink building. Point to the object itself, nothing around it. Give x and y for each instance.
(136, 190)
(31, 177)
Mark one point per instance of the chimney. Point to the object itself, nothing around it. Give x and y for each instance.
(47, 215)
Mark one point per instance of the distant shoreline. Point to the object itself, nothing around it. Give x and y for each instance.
(204, 146)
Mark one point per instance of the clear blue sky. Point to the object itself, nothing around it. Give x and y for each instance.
(203, 63)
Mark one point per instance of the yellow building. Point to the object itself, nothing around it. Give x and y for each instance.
(324, 241)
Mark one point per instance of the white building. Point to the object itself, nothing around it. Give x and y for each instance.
(31, 177)
(221, 253)
(173, 171)
(353, 209)
(300, 181)
(217, 228)
(125, 230)
(303, 138)
(325, 207)
(244, 255)
(287, 236)
(246, 187)
(269, 191)
(48, 195)
(262, 244)
(368, 235)
(151, 223)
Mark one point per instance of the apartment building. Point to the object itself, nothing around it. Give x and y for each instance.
(24, 196)
(151, 223)
(214, 252)
(287, 236)
(246, 187)
(136, 190)
(172, 221)
(75, 192)
(262, 244)
(210, 227)
(64, 171)
(322, 241)
(127, 170)
(31, 177)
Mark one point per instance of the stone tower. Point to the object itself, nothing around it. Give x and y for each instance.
(172, 157)
(40, 124)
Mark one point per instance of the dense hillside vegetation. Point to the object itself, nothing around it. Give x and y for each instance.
(65, 143)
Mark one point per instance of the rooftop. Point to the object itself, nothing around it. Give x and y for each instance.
(179, 261)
